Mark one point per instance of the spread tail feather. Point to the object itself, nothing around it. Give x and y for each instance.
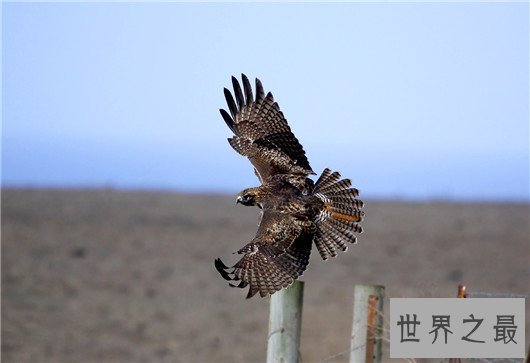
(339, 218)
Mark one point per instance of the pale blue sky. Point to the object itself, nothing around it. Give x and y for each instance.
(410, 100)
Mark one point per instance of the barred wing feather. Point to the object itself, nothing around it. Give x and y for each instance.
(262, 133)
(277, 256)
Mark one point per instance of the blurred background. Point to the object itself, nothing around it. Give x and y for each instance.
(433, 97)
(117, 179)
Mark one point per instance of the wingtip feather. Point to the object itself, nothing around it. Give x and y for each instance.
(228, 120)
(221, 268)
(231, 102)
(248, 89)
(239, 94)
(260, 93)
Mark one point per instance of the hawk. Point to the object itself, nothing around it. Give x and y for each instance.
(295, 211)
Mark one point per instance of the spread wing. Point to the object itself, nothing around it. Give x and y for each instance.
(276, 257)
(262, 133)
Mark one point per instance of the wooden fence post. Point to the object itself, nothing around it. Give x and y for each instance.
(367, 329)
(461, 291)
(285, 322)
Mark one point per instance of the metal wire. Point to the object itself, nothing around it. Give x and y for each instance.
(467, 294)
(495, 294)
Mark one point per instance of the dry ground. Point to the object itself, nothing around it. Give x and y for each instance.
(106, 276)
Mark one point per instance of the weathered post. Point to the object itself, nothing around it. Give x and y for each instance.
(366, 342)
(461, 291)
(285, 322)
(461, 294)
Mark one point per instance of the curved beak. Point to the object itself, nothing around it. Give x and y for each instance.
(239, 199)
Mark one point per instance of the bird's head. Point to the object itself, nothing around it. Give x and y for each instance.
(248, 197)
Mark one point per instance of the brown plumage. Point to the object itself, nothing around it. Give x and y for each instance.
(296, 212)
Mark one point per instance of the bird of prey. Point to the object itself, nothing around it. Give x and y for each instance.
(295, 211)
